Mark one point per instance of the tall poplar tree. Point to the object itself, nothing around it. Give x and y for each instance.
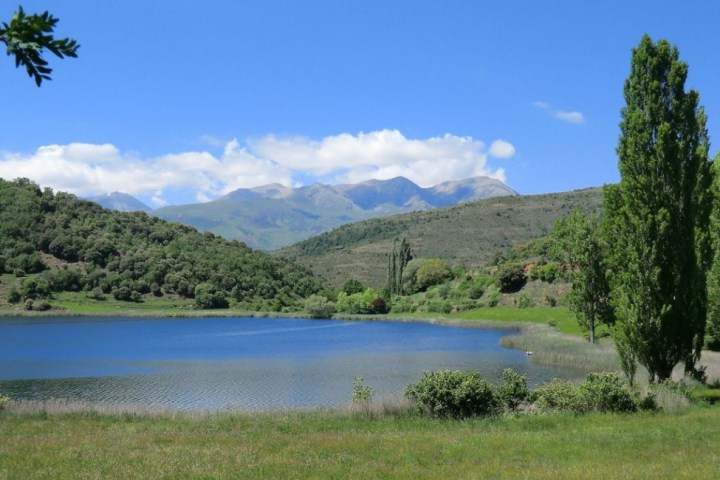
(712, 337)
(658, 216)
(399, 257)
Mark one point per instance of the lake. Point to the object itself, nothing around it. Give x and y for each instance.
(239, 363)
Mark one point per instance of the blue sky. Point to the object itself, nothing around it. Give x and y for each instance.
(184, 101)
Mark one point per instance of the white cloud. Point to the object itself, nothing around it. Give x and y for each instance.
(565, 116)
(502, 149)
(88, 169)
(570, 117)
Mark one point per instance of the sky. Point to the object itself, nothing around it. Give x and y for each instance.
(184, 101)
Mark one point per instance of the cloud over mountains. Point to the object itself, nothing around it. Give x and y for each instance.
(91, 169)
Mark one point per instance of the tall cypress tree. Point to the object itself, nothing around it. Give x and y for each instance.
(399, 257)
(658, 215)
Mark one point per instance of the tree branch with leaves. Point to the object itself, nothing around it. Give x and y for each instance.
(28, 37)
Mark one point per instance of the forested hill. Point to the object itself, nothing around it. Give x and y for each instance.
(135, 254)
(469, 234)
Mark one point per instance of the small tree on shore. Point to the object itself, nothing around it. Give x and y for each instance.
(584, 252)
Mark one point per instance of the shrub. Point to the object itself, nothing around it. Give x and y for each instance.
(513, 391)
(207, 297)
(524, 302)
(318, 306)
(453, 394)
(558, 394)
(548, 273)
(4, 401)
(13, 296)
(607, 392)
(96, 294)
(42, 306)
(475, 292)
(122, 294)
(379, 305)
(361, 394)
(432, 271)
(28, 305)
(511, 277)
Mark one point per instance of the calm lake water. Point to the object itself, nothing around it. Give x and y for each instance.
(246, 363)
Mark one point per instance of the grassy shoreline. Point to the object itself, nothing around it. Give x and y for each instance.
(327, 444)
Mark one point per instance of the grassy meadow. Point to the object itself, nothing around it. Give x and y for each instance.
(683, 444)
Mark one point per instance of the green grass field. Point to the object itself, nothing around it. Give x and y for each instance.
(339, 445)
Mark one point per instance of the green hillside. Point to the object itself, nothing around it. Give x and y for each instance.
(55, 242)
(469, 234)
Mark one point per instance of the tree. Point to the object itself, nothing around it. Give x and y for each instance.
(28, 36)
(398, 259)
(352, 285)
(712, 340)
(658, 215)
(589, 297)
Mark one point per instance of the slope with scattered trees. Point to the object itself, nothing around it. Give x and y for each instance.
(131, 255)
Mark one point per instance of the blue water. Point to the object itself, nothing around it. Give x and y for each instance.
(245, 363)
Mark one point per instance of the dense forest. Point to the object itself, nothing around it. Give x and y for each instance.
(132, 255)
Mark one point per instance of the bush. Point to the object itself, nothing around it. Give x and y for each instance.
(513, 391)
(511, 277)
(453, 394)
(607, 392)
(13, 296)
(42, 306)
(318, 306)
(560, 395)
(28, 305)
(475, 292)
(548, 273)
(524, 302)
(4, 401)
(124, 294)
(361, 394)
(432, 271)
(96, 294)
(379, 305)
(207, 297)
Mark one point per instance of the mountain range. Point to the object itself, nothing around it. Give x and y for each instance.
(273, 216)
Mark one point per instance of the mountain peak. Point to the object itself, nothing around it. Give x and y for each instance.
(121, 202)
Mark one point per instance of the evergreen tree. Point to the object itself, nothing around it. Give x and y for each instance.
(658, 215)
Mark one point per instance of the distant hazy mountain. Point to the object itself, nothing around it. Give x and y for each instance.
(273, 216)
(121, 202)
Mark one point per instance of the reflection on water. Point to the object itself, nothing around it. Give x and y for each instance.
(245, 363)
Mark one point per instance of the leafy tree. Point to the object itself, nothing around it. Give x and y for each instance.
(712, 340)
(352, 285)
(658, 215)
(28, 36)
(585, 254)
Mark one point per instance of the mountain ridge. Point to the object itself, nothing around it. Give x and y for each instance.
(273, 216)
